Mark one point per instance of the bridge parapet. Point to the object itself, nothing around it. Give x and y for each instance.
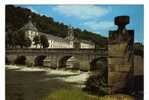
(30, 51)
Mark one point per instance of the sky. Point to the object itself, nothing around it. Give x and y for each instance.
(95, 18)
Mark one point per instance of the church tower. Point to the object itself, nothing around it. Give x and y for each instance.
(30, 30)
(74, 42)
(70, 36)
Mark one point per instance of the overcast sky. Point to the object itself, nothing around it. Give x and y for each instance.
(94, 18)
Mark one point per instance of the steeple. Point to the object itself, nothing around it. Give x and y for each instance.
(70, 34)
(29, 25)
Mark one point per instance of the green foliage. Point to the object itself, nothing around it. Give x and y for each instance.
(96, 84)
(27, 42)
(78, 94)
(36, 40)
(44, 41)
(17, 39)
(65, 94)
(22, 40)
(16, 17)
(10, 40)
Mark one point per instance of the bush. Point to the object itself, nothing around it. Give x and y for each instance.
(96, 84)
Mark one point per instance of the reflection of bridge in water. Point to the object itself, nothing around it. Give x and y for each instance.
(57, 58)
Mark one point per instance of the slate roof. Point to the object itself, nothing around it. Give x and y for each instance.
(29, 26)
(52, 37)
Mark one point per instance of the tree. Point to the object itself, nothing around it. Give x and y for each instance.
(44, 41)
(19, 37)
(36, 40)
(97, 83)
(22, 40)
(27, 42)
(10, 40)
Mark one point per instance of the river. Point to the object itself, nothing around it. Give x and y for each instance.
(23, 83)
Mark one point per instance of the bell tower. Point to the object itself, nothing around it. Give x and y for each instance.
(70, 35)
(30, 30)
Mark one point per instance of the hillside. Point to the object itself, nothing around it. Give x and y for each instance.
(16, 17)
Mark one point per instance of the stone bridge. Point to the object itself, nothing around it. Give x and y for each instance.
(57, 57)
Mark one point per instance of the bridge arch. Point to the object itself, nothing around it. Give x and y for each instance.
(62, 61)
(98, 64)
(39, 60)
(20, 60)
(69, 62)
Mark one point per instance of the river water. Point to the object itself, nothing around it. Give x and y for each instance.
(24, 83)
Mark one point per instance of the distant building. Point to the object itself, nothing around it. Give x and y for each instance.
(54, 41)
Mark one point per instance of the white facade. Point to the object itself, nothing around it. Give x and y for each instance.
(54, 41)
(31, 34)
(59, 44)
(87, 45)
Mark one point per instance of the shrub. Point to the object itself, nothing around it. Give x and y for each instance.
(96, 84)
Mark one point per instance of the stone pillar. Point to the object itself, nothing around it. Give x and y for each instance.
(84, 62)
(120, 55)
(30, 61)
(50, 61)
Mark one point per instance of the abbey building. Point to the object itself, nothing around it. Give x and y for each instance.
(54, 41)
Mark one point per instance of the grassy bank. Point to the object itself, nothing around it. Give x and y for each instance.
(78, 94)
